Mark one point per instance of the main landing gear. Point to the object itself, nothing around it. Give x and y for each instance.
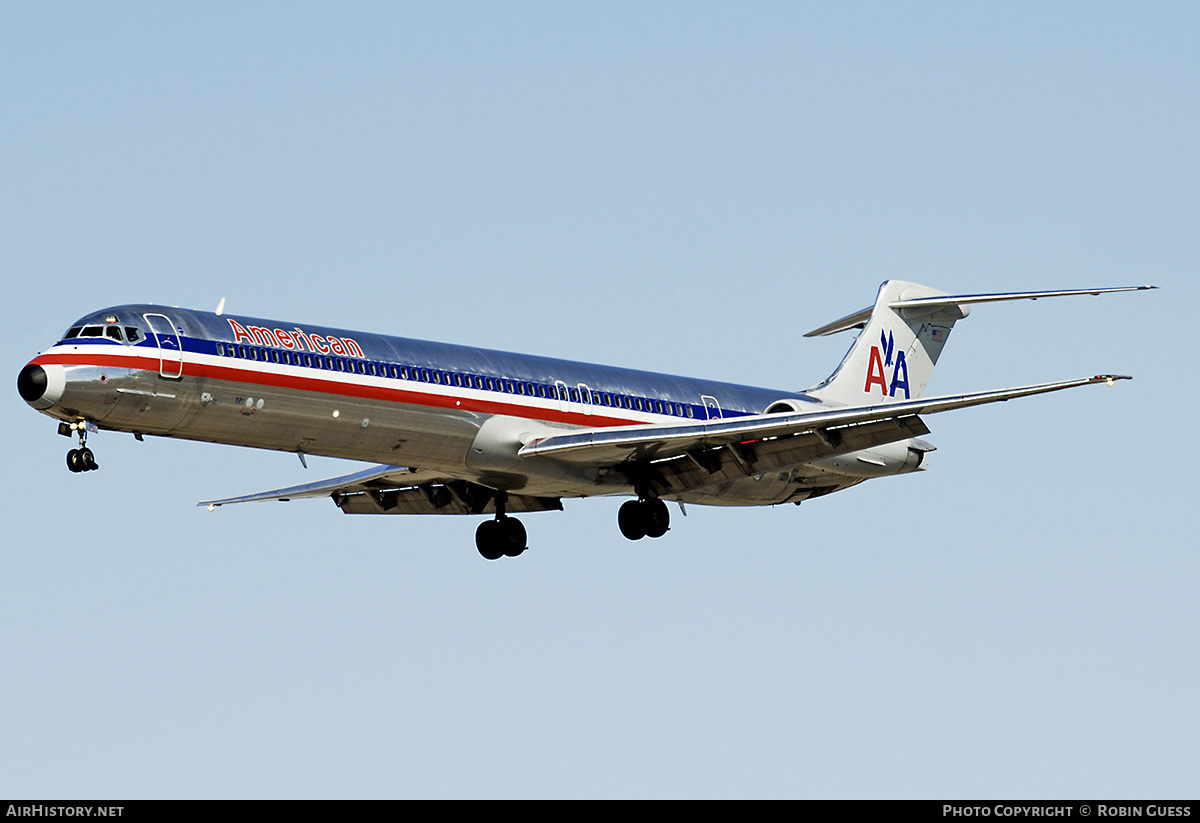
(80, 459)
(644, 518)
(503, 537)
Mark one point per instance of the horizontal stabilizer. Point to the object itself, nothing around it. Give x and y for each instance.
(859, 319)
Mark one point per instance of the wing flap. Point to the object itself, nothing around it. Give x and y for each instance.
(734, 461)
(453, 497)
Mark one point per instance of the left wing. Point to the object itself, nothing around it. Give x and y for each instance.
(398, 490)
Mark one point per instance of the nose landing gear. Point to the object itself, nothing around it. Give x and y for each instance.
(80, 459)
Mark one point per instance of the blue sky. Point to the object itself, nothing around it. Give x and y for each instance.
(685, 188)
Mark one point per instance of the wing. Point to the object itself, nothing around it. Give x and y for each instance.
(398, 490)
(692, 455)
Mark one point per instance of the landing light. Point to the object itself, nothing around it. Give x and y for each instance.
(1109, 381)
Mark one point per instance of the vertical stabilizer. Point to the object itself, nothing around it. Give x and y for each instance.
(893, 357)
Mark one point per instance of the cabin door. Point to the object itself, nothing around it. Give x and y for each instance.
(711, 406)
(170, 348)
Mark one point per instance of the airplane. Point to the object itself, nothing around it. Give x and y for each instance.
(458, 430)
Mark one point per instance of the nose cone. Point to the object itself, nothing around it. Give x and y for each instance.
(41, 386)
(31, 383)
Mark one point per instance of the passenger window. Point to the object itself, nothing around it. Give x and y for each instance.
(220, 349)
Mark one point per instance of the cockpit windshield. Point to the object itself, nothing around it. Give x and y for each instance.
(109, 330)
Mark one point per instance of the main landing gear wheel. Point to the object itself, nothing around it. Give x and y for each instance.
(502, 537)
(644, 518)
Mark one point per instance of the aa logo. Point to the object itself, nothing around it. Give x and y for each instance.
(882, 357)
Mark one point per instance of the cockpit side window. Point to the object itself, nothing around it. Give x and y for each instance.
(133, 334)
(72, 332)
(114, 332)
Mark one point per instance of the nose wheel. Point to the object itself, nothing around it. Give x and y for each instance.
(81, 459)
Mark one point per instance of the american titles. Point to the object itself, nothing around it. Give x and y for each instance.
(296, 340)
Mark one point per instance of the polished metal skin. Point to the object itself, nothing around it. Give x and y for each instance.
(460, 430)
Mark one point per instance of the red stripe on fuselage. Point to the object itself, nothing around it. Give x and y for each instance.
(335, 387)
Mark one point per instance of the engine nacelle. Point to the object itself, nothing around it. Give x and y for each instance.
(789, 404)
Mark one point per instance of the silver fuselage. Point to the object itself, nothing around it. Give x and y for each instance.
(460, 411)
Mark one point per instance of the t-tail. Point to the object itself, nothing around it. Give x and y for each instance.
(903, 335)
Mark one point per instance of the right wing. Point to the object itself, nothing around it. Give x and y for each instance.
(624, 444)
(675, 459)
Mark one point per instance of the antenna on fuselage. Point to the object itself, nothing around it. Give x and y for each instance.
(221, 307)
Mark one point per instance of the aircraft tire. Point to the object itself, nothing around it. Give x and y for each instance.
(73, 462)
(512, 536)
(631, 519)
(488, 540)
(87, 460)
(656, 516)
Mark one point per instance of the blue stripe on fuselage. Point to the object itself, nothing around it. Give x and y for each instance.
(201, 332)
